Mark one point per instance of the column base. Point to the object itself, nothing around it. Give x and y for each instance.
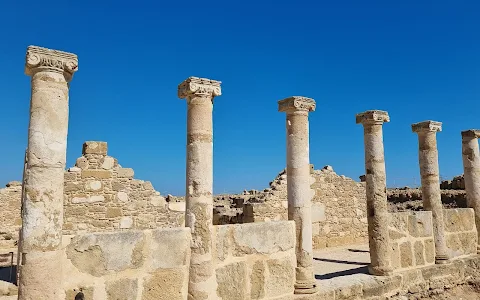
(442, 259)
(305, 287)
(380, 271)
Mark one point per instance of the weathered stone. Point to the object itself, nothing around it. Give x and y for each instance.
(418, 252)
(122, 197)
(75, 293)
(232, 281)
(125, 173)
(177, 206)
(169, 248)
(406, 256)
(168, 284)
(97, 174)
(126, 222)
(93, 186)
(113, 212)
(124, 288)
(95, 147)
(73, 187)
(158, 201)
(318, 212)
(82, 163)
(118, 186)
(420, 224)
(108, 163)
(281, 277)
(257, 281)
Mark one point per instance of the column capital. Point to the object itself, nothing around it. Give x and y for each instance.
(39, 58)
(471, 133)
(372, 117)
(296, 103)
(427, 126)
(199, 86)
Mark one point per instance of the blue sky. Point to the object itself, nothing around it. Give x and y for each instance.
(418, 60)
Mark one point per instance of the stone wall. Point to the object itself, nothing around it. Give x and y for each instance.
(255, 261)
(338, 207)
(460, 231)
(100, 195)
(10, 219)
(411, 235)
(134, 265)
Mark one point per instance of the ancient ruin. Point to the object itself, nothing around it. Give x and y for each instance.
(95, 232)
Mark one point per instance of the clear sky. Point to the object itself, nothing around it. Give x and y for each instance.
(418, 60)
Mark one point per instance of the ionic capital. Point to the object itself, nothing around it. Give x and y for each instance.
(195, 86)
(471, 133)
(372, 117)
(39, 58)
(427, 126)
(296, 103)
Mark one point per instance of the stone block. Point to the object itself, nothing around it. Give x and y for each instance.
(126, 222)
(125, 173)
(169, 248)
(281, 276)
(147, 185)
(420, 224)
(78, 199)
(97, 174)
(232, 281)
(336, 241)
(122, 197)
(158, 201)
(113, 212)
(70, 176)
(418, 253)
(406, 256)
(93, 186)
(118, 186)
(462, 243)
(73, 187)
(82, 163)
(177, 206)
(459, 219)
(223, 241)
(257, 280)
(429, 251)
(166, 284)
(93, 147)
(99, 253)
(251, 238)
(124, 288)
(318, 212)
(398, 221)
(395, 256)
(108, 163)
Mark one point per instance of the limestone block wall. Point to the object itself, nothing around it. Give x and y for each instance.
(338, 207)
(100, 195)
(460, 231)
(134, 265)
(411, 235)
(10, 219)
(255, 261)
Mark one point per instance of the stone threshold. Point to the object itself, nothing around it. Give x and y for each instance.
(402, 285)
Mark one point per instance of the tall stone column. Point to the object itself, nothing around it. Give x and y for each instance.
(199, 93)
(471, 172)
(298, 187)
(431, 194)
(41, 276)
(376, 187)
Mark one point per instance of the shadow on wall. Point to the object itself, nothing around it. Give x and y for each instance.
(8, 274)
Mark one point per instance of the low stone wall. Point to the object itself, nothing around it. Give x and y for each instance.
(10, 219)
(460, 231)
(338, 207)
(411, 235)
(134, 265)
(255, 261)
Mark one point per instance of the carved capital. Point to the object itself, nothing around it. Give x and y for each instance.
(471, 133)
(296, 103)
(377, 117)
(427, 126)
(39, 58)
(195, 86)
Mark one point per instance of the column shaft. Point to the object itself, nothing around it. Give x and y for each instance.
(471, 174)
(199, 93)
(42, 213)
(431, 194)
(377, 207)
(300, 195)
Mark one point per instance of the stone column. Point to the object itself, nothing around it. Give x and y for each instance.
(199, 93)
(471, 172)
(41, 275)
(431, 194)
(298, 187)
(376, 187)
